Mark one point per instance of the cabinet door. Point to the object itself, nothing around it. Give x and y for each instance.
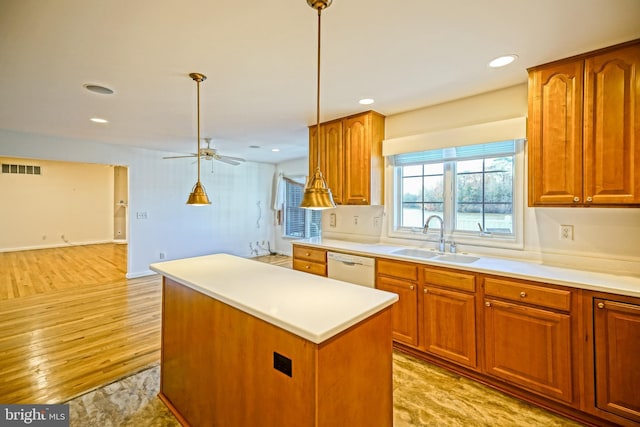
(405, 311)
(448, 322)
(529, 347)
(612, 127)
(331, 156)
(357, 144)
(555, 134)
(617, 346)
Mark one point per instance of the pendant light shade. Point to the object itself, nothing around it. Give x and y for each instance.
(317, 194)
(198, 196)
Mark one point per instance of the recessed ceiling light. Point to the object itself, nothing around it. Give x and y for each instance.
(98, 120)
(98, 89)
(501, 61)
(275, 150)
(366, 101)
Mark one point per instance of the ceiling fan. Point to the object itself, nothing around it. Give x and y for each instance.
(211, 154)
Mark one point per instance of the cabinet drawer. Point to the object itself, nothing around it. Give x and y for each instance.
(311, 254)
(398, 269)
(310, 267)
(450, 279)
(528, 293)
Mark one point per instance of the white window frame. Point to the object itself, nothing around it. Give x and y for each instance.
(514, 241)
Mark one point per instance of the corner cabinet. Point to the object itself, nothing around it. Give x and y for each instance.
(351, 157)
(584, 129)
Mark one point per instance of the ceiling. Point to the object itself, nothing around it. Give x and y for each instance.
(260, 60)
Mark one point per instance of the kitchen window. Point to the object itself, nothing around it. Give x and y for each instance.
(476, 189)
(299, 223)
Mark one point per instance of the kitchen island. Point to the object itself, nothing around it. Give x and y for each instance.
(246, 344)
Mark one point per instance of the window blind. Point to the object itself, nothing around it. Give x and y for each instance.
(465, 152)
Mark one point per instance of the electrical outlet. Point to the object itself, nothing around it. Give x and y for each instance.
(355, 220)
(141, 215)
(163, 255)
(332, 220)
(566, 232)
(376, 221)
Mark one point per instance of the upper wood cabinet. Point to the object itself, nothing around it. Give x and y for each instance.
(584, 129)
(351, 157)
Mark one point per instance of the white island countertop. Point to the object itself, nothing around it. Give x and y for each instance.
(313, 307)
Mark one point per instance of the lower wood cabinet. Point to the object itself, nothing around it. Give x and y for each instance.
(617, 357)
(448, 315)
(403, 312)
(401, 278)
(529, 347)
(527, 338)
(310, 260)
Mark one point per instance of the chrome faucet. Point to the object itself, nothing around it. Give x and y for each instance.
(426, 229)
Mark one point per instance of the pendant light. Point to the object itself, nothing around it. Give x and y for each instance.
(317, 194)
(198, 196)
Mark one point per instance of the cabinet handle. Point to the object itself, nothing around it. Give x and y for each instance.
(523, 294)
(307, 267)
(425, 290)
(307, 254)
(576, 199)
(600, 305)
(411, 287)
(487, 303)
(589, 199)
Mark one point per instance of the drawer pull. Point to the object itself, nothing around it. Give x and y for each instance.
(307, 253)
(523, 294)
(425, 290)
(600, 305)
(307, 267)
(411, 287)
(487, 303)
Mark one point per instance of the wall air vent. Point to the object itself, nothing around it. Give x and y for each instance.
(21, 169)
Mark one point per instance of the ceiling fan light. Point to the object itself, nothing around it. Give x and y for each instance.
(198, 196)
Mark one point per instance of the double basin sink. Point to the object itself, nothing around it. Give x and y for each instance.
(436, 256)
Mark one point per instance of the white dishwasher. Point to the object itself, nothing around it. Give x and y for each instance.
(351, 268)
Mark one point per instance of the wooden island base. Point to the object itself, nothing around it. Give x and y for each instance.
(218, 368)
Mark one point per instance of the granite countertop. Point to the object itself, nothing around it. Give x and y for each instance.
(595, 281)
(313, 307)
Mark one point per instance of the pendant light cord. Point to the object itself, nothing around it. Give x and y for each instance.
(198, 149)
(318, 95)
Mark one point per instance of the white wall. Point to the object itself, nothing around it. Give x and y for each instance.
(160, 188)
(74, 200)
(605, 238)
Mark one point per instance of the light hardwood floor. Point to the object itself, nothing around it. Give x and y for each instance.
(26, 273)
(71, 322)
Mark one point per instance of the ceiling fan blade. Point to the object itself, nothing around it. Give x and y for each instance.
(224, 159)
(180, 157)
(235, 159)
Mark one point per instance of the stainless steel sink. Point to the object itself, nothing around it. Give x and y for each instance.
(463, 259)
(416, 253)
